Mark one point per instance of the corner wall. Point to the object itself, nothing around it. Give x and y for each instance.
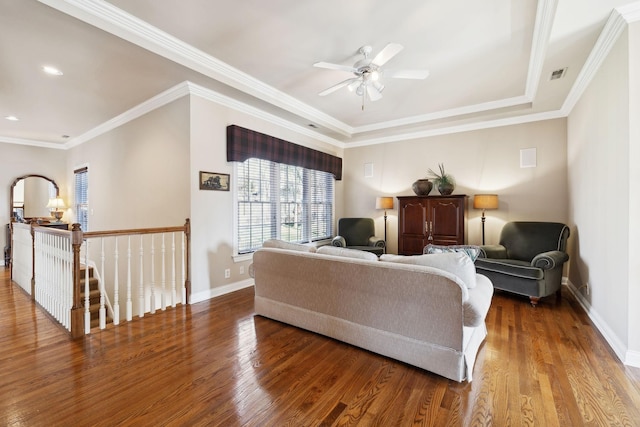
(604, 206)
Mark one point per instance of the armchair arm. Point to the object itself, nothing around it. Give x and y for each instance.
(549, 260)
(339, 241)
(493, 251)
(376, 242)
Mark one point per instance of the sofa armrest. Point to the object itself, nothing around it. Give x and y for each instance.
(376, 242)
(477, 305)
(549, 260)
(339, 241)
(493, 251)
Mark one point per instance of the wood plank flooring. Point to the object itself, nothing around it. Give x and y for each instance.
(216, 364)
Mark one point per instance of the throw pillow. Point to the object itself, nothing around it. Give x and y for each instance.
(471, 250)
(456, 263)
(346, 252)
(281, 244)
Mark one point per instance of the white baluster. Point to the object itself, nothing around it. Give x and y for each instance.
(141, 283)
(183, 288)
(153, 275)
(102, 312)
(116, 286)
(173, 270)
(163, 298)
(87, 313)
(129, 308)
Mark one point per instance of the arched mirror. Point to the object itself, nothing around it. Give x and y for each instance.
(29, 195)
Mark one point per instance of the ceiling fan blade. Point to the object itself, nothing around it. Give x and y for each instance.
(331, 66)
(406, 74)
(389, 51)
(373, 93)
(337, 86)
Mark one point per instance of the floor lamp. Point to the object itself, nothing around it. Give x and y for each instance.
(485, 201)
(384, 203)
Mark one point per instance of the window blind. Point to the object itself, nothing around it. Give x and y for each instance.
(282, 201)
(81, 197)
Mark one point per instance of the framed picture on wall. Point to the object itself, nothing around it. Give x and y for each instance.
(214, 181)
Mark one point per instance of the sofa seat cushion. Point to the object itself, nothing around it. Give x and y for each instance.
(511, 267)
(347, 252)
(457, 263)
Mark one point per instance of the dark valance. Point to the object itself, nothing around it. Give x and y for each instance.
(243, 144)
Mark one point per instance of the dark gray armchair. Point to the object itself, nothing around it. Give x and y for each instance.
(529, 259)
(358, 233)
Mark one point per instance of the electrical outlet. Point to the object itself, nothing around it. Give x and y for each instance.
(227, 273)
(242, 269)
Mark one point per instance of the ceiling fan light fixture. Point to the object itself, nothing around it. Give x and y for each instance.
(360, 89)
(379, 86)
(353, 85)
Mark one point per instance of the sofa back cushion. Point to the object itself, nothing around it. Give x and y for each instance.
(346, 252)
(281, 244)
(457, 263)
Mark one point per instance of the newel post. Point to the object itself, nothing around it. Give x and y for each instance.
(77, 311)
(187, 284)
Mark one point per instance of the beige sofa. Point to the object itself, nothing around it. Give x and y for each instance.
(420, 315)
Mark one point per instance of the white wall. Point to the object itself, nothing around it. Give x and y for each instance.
(139, 172)
(603, 207)
(483, 161)
(634, 194)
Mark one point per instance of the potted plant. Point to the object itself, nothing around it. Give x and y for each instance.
(444, 182)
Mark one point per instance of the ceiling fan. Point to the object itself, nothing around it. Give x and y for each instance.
(368, 73)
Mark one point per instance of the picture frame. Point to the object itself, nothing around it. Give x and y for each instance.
(214, 181)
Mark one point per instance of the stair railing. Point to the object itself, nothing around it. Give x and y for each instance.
(53, 260)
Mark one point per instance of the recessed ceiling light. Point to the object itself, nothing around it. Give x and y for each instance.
(12, 118)
(52, 70)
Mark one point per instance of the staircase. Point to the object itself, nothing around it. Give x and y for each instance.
(94, 297)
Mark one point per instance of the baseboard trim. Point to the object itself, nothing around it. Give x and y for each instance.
(629, 358)
(219, 291)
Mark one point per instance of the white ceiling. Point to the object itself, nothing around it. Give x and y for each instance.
(489, 62)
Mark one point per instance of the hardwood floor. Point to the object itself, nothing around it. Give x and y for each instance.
(214, 363)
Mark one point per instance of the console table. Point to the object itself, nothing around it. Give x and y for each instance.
(439, 220)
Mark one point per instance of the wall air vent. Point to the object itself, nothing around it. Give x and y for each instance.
(558, 74)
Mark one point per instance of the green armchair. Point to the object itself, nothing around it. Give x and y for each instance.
(529, 259)
(358, 233)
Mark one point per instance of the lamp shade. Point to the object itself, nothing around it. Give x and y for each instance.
(384, 202)
(485, 201)
(56, 203)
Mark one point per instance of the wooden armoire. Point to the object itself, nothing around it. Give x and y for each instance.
(440, 220)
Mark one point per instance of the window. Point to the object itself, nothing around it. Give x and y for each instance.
(81, 199)
(282, 201)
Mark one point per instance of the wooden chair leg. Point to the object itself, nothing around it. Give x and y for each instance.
(534, 301)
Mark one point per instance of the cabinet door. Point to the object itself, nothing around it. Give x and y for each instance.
(412, 235)
(446, 221)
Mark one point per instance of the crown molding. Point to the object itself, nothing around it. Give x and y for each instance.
(151, 104)
(234, 104)
(545, 15)
(536, 117)
(613, 28)
(31, 142)
(109, 18)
